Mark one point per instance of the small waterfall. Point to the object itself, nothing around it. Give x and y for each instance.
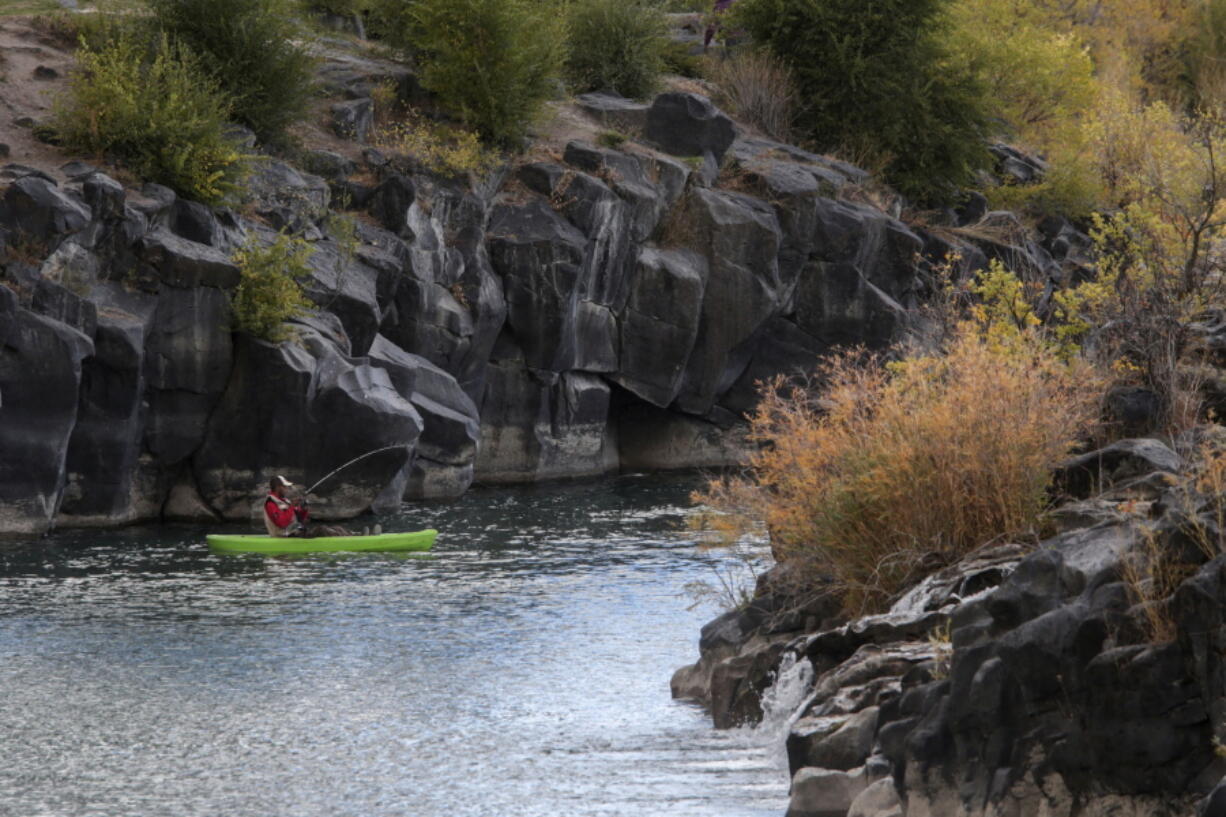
(782, 703)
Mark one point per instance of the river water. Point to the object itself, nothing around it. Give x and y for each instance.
(520, 669)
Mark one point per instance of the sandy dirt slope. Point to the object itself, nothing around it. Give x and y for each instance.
(34, 67)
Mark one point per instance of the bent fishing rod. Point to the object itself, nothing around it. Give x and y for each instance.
(351, 462)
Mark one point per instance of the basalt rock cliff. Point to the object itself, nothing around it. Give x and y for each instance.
(582, 309)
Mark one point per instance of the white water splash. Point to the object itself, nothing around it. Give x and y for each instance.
(782, 703)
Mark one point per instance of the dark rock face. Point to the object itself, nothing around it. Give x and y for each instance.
(541, 425)
(858, 285)
(177, 262)
(32, 206)
(595, 309)
(40, 377)
(1114, 464)
(279, 416)
(104, 452)
(287, 198)
(739, 236)
(539, 257)
(451, 432)
(659, 322)
(188, 367)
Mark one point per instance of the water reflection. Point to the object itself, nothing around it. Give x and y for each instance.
(522, 670)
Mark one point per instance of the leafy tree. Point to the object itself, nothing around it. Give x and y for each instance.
(253, 49)
(158, 112)
(615, 45)
(491, 63)
(1037, 76)
(875, 80)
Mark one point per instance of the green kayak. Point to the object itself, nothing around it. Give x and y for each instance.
(262, 543)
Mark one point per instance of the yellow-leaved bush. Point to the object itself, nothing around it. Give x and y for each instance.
(155, 111)
(439, 148)
(886, 473)
(270, 291)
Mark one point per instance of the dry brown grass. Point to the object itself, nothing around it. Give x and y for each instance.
(890, 472)
(759, 89)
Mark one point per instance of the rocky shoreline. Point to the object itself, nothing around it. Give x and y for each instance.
(584, 310)
(1020, 681)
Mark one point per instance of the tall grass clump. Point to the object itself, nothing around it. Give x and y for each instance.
(889, 472)
(878, 81)
(158, 113)
(252, 49)
(615, 45)
(270, 291)
(491, 63)
(759, 89)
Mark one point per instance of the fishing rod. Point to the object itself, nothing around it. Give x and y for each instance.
(351, 462)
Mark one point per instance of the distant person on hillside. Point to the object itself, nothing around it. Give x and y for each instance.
(713, 27)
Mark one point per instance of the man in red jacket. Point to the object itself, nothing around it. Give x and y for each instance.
(282, 517)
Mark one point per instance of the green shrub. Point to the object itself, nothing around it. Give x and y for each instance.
(875, 80)
(615, 45)
(162, 116)
(270, 292)
(610, 139)
(492, 63)
(252, 48)
(678, 60)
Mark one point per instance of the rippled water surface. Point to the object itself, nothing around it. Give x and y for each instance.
(521, 669)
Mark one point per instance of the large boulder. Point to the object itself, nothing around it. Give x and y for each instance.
(540, 257)
(168, 259)
(685, 124)
(1114, 464)
(34, 209)
(825, 792)
(40, 376)
(614, 112)
(447, 447)
(861, 279)
(739, 237)
(658, 323)
(189, 355)
(301, 410)
(105, 483)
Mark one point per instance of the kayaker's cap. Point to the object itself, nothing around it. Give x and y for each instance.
(282, 481)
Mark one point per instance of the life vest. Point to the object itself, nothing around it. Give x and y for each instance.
(282, 505)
